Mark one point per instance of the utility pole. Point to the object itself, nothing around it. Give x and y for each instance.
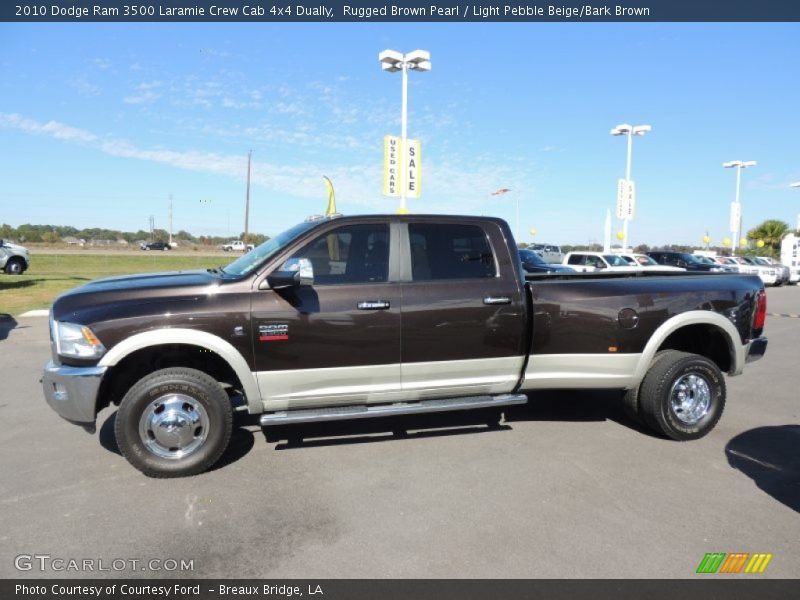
(247, 201)
(152, 226)
(170, 219)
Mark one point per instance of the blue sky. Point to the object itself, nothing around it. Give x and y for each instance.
(99, 123)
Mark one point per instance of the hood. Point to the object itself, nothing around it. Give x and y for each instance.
(16, 249)
(140, 288)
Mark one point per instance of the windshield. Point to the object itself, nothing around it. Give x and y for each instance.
(247, 263)
(616, 261)
(763, 261)
(645, 261)
(529, 256)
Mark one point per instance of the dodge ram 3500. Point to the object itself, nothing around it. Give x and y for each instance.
(385, 315)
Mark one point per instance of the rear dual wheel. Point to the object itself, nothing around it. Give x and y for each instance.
(682, 396)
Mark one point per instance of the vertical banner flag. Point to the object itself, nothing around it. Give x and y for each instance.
(395, 174)
(391, 165)
(331, 210)
(626, 199)
(413, 179)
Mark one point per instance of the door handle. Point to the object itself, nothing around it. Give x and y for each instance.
(373, 305)
(491, 300)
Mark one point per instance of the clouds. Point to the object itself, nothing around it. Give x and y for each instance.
(456, 189)
(146, 92)
(54, 129)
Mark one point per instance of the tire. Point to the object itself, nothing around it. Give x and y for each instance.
(630, 400)
(682, 396)
(15, 266)
(198, 432)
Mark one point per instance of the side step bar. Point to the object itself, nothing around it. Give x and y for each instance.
(341, 413)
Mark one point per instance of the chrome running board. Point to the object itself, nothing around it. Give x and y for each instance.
(364, 411)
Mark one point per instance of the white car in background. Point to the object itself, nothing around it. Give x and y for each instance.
(645, 263)
(784, 271)
(590, 262)
(768, 275)
(728, 262)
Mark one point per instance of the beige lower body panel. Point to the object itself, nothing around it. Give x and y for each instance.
(304, 388)
(581, 371)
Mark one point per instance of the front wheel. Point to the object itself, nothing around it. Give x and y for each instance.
(174, 422)
(682, 396)
(15, 266)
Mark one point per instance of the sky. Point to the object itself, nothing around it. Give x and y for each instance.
(100, 123)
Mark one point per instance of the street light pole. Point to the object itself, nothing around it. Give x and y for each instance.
(393, 61)
(629, 131)
(737, 222)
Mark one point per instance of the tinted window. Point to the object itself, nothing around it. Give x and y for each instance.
(576, 259)
(350, 254)
(530, 257)
(440, 251)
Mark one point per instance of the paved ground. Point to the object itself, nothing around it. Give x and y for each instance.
(566, 488)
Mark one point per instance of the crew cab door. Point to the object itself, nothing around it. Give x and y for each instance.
(463, 311)
(338, 340)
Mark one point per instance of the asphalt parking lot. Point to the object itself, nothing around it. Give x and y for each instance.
(566, 487)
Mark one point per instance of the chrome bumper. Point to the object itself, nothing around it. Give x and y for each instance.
(756, 349)
(72, 391)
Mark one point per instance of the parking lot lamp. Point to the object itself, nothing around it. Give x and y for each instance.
(394, 61)
(737, 222)
(630, 131)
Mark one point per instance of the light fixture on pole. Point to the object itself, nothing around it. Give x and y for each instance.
(736, 207)
(393, 61)
(629, 131)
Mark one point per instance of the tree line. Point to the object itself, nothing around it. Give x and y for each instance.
(53, 234)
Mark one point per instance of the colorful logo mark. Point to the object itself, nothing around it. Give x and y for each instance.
(736, 562)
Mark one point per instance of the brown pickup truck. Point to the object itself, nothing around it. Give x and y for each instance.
(372, 316)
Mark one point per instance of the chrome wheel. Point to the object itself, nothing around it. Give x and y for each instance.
(690, 398)
(173, 426)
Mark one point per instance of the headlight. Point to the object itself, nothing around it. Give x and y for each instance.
(77, 341)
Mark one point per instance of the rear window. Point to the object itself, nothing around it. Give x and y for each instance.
(450, 251)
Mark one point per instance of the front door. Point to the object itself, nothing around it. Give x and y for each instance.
(338, 341)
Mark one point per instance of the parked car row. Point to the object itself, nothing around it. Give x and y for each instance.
(768, 269)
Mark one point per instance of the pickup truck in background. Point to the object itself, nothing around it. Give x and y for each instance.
(14, 259)
(352, 317)
(237, 246)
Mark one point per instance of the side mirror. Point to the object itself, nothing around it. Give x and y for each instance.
(682, 264)
(294, 272)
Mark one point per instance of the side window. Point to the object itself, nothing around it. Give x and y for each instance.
(350, 254)
(576, 259)
(440, 251)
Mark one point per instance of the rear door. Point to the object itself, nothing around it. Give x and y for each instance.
(338, 341)
(463, 311)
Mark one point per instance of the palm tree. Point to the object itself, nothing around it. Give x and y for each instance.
(772, 232)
